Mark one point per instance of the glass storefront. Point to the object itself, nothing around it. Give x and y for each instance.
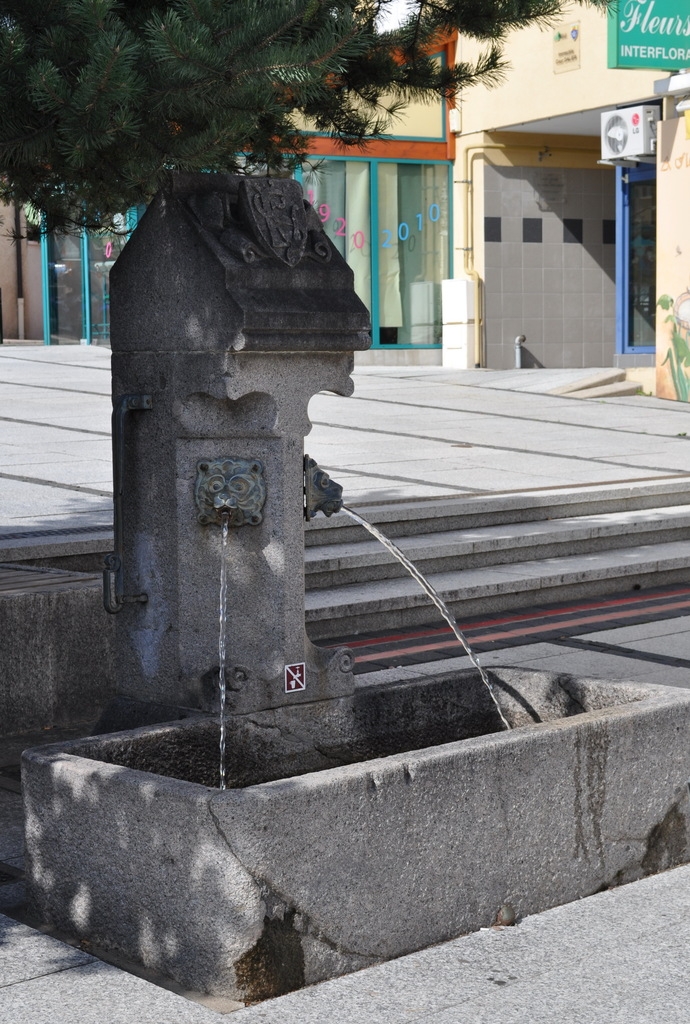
(390, 220)
(78, 306)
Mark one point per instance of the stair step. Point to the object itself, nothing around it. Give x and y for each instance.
(383, 604)
(342, 564)
(24, 579)
(437, 515)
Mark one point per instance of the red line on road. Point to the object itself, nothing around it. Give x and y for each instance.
(525, 617)
(546, 627)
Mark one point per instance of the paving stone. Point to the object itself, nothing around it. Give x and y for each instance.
(615, 958)
(27, 953)
(12, 897)
(11, 825)
(97, 994)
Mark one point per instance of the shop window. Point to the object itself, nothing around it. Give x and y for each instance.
(641, 263)
(76, 275)
(102, 251)
(339, 191)
(413, 251)
(390, 221)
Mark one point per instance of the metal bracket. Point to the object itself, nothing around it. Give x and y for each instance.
(321, 494)
(113, 585)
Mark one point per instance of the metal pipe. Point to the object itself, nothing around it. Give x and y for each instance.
(20, 272)
(519, 342)
(113, 583)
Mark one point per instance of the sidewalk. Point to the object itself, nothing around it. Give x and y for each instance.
(619, 957)
(404, 433)
(615, 957)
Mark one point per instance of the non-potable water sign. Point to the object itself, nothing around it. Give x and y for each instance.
(295, 677)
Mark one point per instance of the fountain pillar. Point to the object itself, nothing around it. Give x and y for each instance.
(230, 308)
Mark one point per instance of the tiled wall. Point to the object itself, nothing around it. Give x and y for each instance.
(549, 266)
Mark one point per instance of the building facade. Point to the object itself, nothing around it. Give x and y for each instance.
(552, 243)
(496, 220)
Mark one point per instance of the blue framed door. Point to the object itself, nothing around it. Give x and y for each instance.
(636, 259)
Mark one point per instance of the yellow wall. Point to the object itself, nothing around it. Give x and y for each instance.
(532, 90)
(673, 261)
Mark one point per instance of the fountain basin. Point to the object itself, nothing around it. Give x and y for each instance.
(360, 828)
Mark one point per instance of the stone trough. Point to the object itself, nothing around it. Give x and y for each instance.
(356, 829)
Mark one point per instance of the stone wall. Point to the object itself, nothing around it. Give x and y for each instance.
(549, 266)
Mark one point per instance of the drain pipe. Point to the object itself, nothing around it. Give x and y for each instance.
(519, 342)
(20, 274)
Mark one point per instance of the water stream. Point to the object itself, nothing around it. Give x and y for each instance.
(431, 593)
(221, 640)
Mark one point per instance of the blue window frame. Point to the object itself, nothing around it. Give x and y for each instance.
(635, 259)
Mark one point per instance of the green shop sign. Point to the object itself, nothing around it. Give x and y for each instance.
(649, 34)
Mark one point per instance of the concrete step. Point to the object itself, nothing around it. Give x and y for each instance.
(439, 515)
(343, 564)
(616, 390)
(386, 604)
(598, 379)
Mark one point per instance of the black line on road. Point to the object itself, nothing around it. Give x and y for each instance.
(65, 531)
(54, 426)
(49, 387)
(55, 362)
(620, 652)
(510, 416)
(54, 483)
(407, 480)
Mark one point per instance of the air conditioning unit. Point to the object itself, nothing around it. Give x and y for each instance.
(629, 133)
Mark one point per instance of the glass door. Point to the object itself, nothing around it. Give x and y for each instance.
(65, 289)
(637, 260)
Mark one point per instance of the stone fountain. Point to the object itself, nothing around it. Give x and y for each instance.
(365, 817)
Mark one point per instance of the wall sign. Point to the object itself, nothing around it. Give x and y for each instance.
(566, 48)
(549, 187)
(295, 677)
(649, 34)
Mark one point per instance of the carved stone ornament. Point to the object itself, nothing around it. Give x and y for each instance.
(230, 487)
(276, 217)
(265, 218)
(321, 494)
